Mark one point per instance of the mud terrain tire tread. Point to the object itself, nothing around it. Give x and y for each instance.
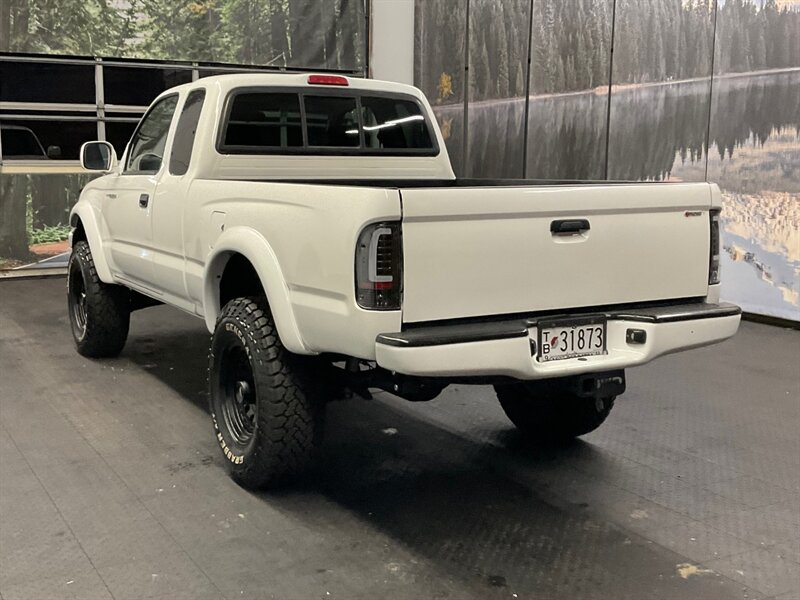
(290, 410)
(108, 310)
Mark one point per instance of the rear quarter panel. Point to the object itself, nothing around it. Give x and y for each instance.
(310, 231)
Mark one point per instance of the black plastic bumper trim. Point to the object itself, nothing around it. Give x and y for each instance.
(455, 334)
(672, 314)
(499, 330)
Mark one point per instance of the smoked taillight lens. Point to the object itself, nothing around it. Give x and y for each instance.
(713, 261)
(379, 265)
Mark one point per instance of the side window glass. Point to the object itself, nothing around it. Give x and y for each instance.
(147, 145)
(185, 133)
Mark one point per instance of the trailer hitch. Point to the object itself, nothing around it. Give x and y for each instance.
(598, 385)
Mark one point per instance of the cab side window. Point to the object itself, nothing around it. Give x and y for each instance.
(148, 142)
(185, 133)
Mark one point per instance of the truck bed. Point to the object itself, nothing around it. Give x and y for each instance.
(456, 183)
(475, 248)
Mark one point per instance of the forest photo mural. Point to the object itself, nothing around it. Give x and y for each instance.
(35, 203)
(653, 113)
(287, 33)
(696, 90)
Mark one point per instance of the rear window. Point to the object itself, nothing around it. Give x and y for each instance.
(268, 121)
(296, 122)
(332, 121)
(393, 123)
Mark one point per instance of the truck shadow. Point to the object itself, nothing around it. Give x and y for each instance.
(496, 518)
(455, 504)
(178, 359)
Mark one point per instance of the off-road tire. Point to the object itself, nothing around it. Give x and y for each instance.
(99, 313)
(547, 413)
(280, 439)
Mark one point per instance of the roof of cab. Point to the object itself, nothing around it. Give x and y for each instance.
(227, 82)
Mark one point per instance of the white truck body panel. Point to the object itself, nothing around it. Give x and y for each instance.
(479, 251)
(511, 357)
(213, 165)
(309, 233)
(468, 252)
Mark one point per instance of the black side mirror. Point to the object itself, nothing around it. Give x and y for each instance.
(54, 152)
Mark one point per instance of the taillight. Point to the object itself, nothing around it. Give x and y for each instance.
(379, 263)
(713, 261)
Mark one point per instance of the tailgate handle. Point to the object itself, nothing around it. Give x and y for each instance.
(569, 226)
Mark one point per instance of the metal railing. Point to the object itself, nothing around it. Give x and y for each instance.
(16, 111)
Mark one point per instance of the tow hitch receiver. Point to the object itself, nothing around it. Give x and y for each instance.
(599, 385)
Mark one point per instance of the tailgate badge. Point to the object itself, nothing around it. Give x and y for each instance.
(693, 213)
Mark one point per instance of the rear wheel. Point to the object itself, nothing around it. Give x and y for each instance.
(266, 407)
(99, 313)
(545, 411)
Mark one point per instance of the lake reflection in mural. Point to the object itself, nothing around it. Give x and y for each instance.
(658, 134)
(755, 158)
(655, 120)
(661, 136)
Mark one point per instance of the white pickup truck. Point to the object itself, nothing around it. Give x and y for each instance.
(315, 223)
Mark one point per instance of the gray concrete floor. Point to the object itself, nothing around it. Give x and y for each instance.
(111, 485)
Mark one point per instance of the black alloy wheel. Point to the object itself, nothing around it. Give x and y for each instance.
(237, 394)
(266, 403)
(76, 300)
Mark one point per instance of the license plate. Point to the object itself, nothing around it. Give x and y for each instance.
(571, 339)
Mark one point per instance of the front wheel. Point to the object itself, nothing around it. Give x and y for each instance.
(265, 405)
(545, 411)
(99, 313)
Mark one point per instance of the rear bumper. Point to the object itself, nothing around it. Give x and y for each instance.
(505, 348)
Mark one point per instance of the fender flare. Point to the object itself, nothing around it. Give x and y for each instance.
(84, 213)
(255, 248)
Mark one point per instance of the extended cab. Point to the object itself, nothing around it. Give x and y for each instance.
(314, 222)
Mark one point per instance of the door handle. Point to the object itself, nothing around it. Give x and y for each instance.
(569, 226)
(144, 200)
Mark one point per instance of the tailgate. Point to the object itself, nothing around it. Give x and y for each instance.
(488, 250)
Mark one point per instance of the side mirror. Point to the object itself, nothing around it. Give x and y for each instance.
(54, 152)
(98, 156)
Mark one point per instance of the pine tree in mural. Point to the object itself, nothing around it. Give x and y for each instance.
(308, 33)
(662, 40)
(61, 26)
